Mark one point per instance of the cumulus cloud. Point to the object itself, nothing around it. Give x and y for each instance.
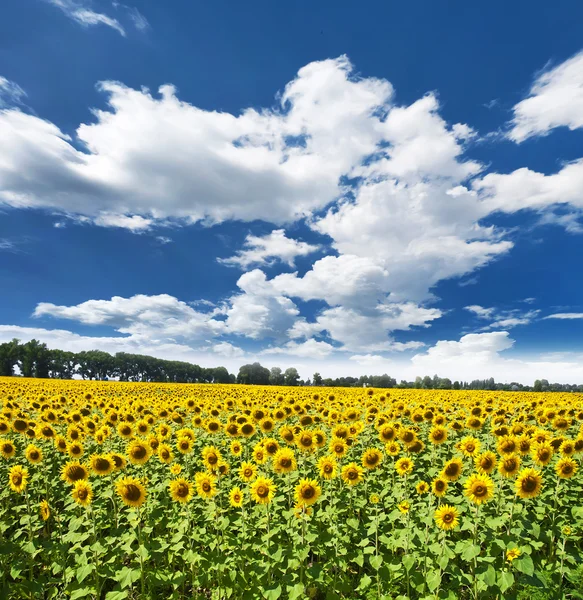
(277, 164)
(261, 250)
(309, 349)
(554, 100)
(10, 93)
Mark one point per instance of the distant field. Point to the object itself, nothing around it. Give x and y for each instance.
(131, 490)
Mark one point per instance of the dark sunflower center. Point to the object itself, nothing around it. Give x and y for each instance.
(17, 479)
(263, 491)
(480, 491)
(285, 463)
(248, 473)
(447, 518)
(8, 448)
(308, 492)
(76, 473)
(567, 469)
(328, 469)
(529, 484)
(352, 475)
(372, 459)
(133, 492)
(439, 486)
(82, 494)
(20, 425)
(139, 452)
(206, 486)
(182, 490)
(212, 459)
(452, 470)
(102, 464)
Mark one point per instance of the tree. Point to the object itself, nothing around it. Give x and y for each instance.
(538, 386)
(317, 379)
(291, 376)
(9, 354)
(253, 374)
(221, 375)
(276, 376)
(427, 382)
(35, 359)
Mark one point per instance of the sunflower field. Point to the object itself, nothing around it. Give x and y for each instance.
(134, 490)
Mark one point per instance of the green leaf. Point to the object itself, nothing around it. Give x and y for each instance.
(506, 581)
(433, 580)
(470, 552)
(116, 595)
(364, 582)
(272, 594)
(126, 576)
(352, 523)
(408, 561)
(524, 564)
(489, 576)
(297, 591)
(84, 572)
(376, 562)
(81, 593)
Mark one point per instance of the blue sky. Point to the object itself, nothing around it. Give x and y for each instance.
(381, 188)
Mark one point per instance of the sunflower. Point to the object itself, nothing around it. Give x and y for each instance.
(509, 465)
(404, 506)
(486, 462)
(438, 435)
(75, 449)
(439, 487)
(259, 454)
(18, 478)
(125, 430)
(131, 491)
(247, 429)
(263, 490)
(371, 458)
(307, 492)
(248, 471)
(404, 466)
(566, 467)
(422, 488)
(392, 448)
(284, 461)
(33, 454)
(82, 492)
(119, 462)
(338, 447)
(211, 457)
(138, 452)
(374, 499)
(7, 449)
(529, 483)
(327, 467)
(387, 433)
(165, 454)
(60, 443)
(181, 490)
(542, 454)
(469, 446)
(184, 445)
(479, 488)
(446, 517)
(352, 474)
(175, 469)
(567, 448)
(205, 485)
(102, 464)
(452, 469)
(507, 445)
(74, 471)
(512, 554)
(236, 448)
(236, 497)
(45, 511)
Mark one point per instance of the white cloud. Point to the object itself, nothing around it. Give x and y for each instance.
(375, 361)
(480, 311)
(163, 239)
(565, 316)
(161, 317)
(159, 157)
(10, 93)
(135, 223)
(555, 100)
(227, 349)
(503, 318)
(309, 349)
(265, 250)
(79, 11)
(6, 244)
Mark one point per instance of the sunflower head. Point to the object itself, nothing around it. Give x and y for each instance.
(236, 497)
(479, 488)
(446, 517)
(509, 465)
(18, 478)
(74, 471)
(284, 461)
(263, 490)
(327, 467)
(82, 492)
(512, 554)
(45, 511)
(352, 474)
(307, 492)
(33, 454)
(566, 467)
(181, 490)
(372, 458)
(131, 491)
(439, 487)
(102, 464)
(404, 506)
(404, 466)
(452, 469)
(7, 449)
(139, 452)
(205, 485)
(529, 483)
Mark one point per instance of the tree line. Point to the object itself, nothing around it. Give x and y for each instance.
(35, 359)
